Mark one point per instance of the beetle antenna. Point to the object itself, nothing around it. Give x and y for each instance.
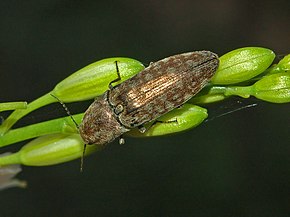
(82, 158)
(66, 109)
(72, 118)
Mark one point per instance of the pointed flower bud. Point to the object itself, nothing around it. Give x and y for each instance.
(94, 79)
(284, 64)
(273, 88)
(49, 150)
(86, 83)
(242, 64)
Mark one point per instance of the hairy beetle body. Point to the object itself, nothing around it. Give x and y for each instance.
(158, 89)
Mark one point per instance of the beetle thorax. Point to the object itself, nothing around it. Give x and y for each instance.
(100, 124)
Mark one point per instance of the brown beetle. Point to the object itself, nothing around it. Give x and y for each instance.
(158, 89)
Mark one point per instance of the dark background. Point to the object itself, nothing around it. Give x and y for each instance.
(236, 165)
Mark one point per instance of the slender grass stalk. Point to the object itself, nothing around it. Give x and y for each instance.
(19, 113)
(6, 106)
(61, 125)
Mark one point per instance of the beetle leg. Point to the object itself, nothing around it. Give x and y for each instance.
(121, 140)
(163, 122)
(117, 79)
(142, 129)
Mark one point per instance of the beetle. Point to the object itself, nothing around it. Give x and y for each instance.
(158, 89)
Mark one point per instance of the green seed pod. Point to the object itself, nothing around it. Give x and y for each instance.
(242, 64)
(183, 118)
(284, 64)
(273, 88)
(94, 79)
(49, 150)
(87, 83)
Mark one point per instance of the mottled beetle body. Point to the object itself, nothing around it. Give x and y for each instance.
(159, 88)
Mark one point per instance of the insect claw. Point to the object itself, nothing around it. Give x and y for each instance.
(142, 129)
(121, 141)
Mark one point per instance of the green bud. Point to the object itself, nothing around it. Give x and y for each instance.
(284, 64)
(49, 150)
(180, 119)
(242, 64)
(87, 83)
(94, 79)
(273, 88)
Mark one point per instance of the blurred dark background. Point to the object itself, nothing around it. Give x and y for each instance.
(236, 165)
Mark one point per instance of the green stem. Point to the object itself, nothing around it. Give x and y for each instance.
(244, 92)
(217, 90)
(6, 106)
(19, 113)
(10, 159)
(60, 125)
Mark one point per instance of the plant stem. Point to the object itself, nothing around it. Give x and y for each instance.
(60, 125)
(19, 113)
(10, 159)
(6, 106)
